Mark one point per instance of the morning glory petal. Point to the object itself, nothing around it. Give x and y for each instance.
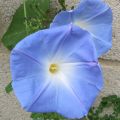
(45, 41)
(58, 20)
(90, 8)
(84, 79)
(74, 48)
(26, 74)
(67, 97)
(62, 18)
(93, 81)
(44, 100)
(93, 16)
(49, 68)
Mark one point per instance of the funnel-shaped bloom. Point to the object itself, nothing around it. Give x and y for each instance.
(93, 16)
(56, 70)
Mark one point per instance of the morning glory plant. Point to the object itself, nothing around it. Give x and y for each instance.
(57, 70)
(93, 16)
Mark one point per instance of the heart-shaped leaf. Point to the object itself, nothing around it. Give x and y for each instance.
(37, 18)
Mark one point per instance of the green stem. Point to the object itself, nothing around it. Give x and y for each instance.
(25, 15)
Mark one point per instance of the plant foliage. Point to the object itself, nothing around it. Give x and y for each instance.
(45, 116)
(36, 17)
(112, 102)
(8, 88)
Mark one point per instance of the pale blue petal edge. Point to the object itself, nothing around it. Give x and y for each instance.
(98, 15)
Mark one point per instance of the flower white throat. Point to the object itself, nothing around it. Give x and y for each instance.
(83, 25)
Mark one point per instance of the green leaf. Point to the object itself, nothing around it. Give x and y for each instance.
(8, 88)
(111, 101)
(45, 116)
(37, 17)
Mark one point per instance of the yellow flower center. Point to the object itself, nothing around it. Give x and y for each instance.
(53, 68)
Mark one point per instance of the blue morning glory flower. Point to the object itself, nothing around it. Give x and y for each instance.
(56, 70)
(93, 16)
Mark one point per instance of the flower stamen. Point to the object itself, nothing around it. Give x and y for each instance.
(53, 68)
